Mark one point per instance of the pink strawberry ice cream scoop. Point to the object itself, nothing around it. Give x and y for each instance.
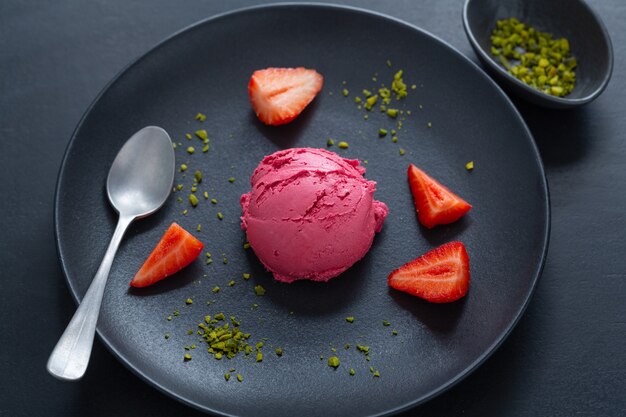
(310, 214)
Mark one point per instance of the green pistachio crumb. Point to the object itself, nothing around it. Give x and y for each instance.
(259, 357)
(239, 378)
(413, 86)
(394, 332)
(371, 369)
(176, 312)
(382, 132)
(376, 374)
(167, 336)
(231, 283)
(188, 135)
(183, 168)
(246, 245)
(259, 290)
(330, 142)
(367, 93)
(386, 323)
(357, 99)
(370, 102)
(202, 134)
(213, 201)
(345, 92)
(194, 189)
(392, 113)
(220, 215)
(343, 145)
(193, 200)
(198, 176)
(429, 124)
(220, 316)
(179, 199)
(352, 372)
(394, 139)
(188, 301)
(231, 179)
(246, 276)
(333, 349)
(173, 145)
(187, 357)
(205, 148)
(333, 362)
(205, 195)
(346, 346)
(364, 349)
(279, 352)
(227, 376)
(350, 319)
(169, 318)
(402, 151)
(389, 63)
(200, 117)
(469, 166)
(365, 117)
(191, 150)
(216, 289)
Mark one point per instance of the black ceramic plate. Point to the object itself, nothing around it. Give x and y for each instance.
(206, 68)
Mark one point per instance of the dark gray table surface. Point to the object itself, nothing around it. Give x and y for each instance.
(567, 355)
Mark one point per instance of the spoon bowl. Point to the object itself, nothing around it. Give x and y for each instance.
(571, 19)
(142, 173)
(138, 184)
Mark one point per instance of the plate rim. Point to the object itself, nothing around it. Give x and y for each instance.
(470, 368)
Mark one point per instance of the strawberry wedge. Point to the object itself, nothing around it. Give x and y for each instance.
(176, 249)
(435, 204)
(439, 276)
(278, 95)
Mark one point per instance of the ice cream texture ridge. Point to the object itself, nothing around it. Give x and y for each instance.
(310, 214)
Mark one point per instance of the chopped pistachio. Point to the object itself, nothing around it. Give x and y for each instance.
(370, 102)
(330, 142)
(205, 195)
(389, 63)
(202, 134)
(345, 92)
(205, 148)
(394, 332)
(259, 357)
(246, 276)
(279, 352)
(220, 215)
(352, 372)
(376, 374)
(216, 289)
(382, 132)
(188, 301)
(227, 376)
(469, 166)
(362, 348)
(350, 319)
(246, 245)
(394, 139)
(333, 362)
(386, 323)
(392, 113)
(231, 179)
(239, 378)
(200, 117)
(231, 283)
(259, 290)
(213, 201)
(191, 149)
(169, 318)
(183, 168)
(198, 176)
(187, 357)
(402, 151)
(188, 135)
(193, 200)
(343, 145)
(429, 124)
(167, 336)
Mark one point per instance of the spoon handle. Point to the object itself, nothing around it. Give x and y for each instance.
(70, 356)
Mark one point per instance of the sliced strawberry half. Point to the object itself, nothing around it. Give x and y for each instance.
(176, 249)
(441, 275)
(278, 95)
(435, 204)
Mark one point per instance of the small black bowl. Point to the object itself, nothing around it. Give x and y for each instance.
(572, 19)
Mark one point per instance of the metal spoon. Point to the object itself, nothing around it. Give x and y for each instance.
(139, 182)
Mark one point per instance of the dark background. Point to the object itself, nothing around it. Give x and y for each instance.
(567, 355)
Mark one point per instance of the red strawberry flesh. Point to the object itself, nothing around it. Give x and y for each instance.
(435, 204)
(441, 275)
(279, 95)
(176, 249)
